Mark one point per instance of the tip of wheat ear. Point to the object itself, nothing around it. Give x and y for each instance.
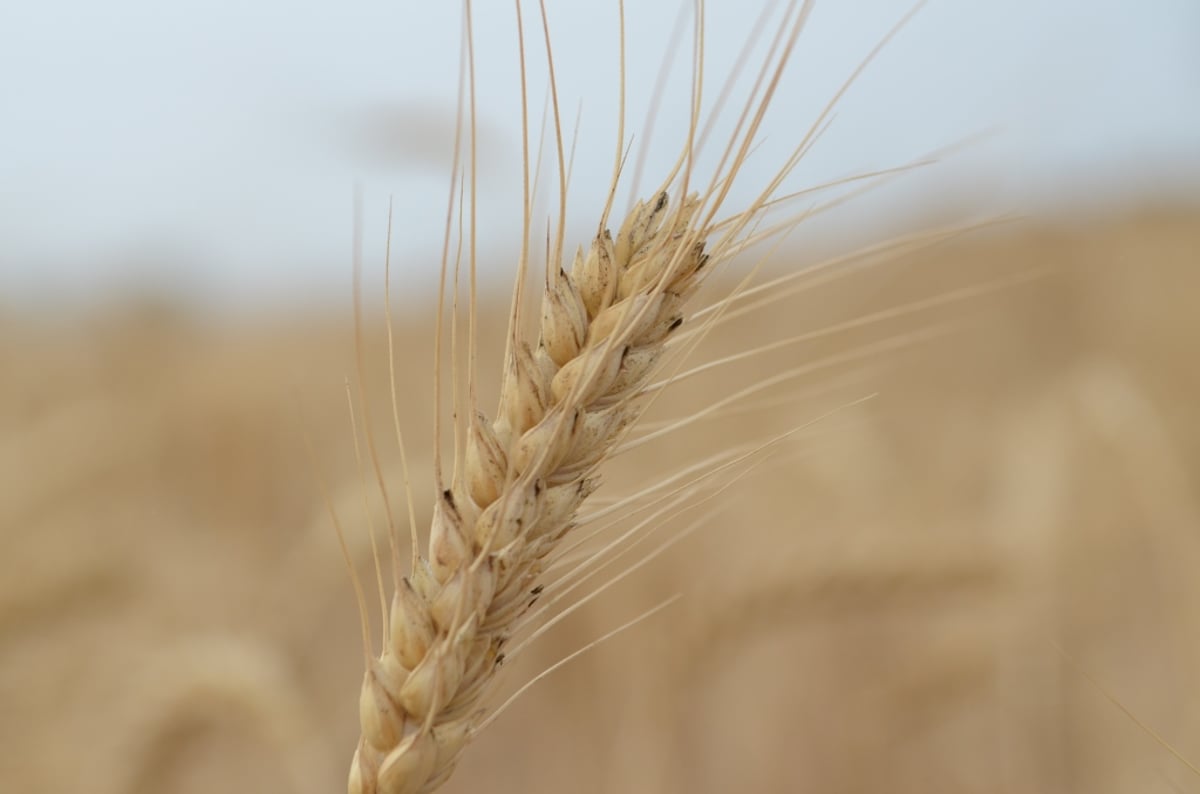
(563, 404)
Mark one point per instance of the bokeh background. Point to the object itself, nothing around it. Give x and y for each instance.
(972, 570)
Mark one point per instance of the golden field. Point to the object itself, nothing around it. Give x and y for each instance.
(985, 533)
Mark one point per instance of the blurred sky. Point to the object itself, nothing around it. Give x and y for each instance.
(212, 147)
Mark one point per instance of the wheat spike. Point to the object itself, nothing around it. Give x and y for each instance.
(568, 397)
(565, 402)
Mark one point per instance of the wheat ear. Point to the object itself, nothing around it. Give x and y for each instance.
(563, 405)
(566, 401)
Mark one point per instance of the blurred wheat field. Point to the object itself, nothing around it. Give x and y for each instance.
(877, 607)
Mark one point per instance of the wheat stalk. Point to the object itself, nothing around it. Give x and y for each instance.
(567, 399)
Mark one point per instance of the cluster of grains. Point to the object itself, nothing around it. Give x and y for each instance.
(564, 403)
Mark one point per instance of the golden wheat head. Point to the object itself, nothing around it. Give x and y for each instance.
(564, 402)
(570, 392)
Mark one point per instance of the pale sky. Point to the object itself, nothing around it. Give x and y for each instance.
(212, 147)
